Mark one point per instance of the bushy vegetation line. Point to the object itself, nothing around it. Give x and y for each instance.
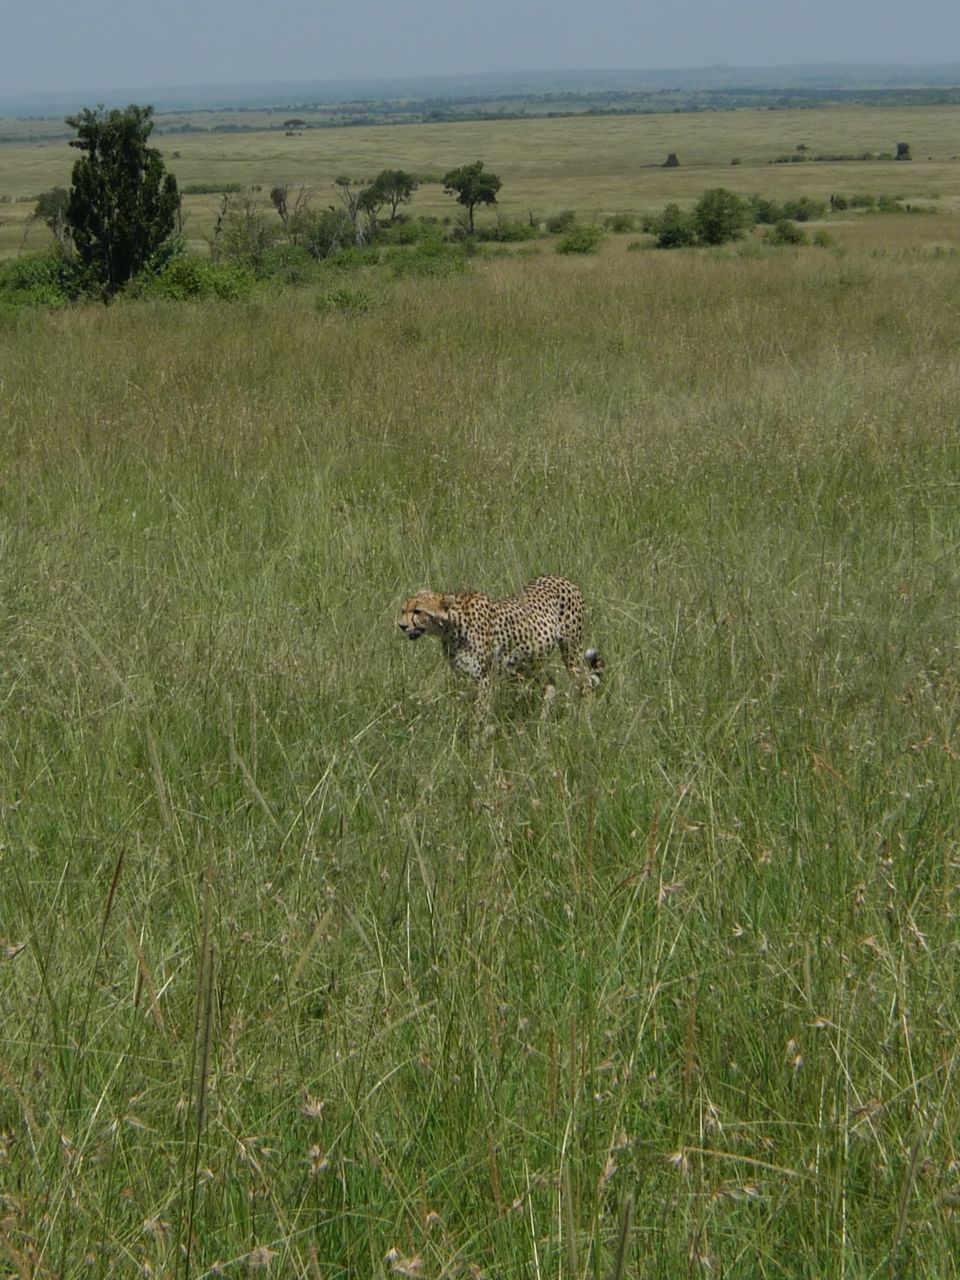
(292, 977)
(282, 237)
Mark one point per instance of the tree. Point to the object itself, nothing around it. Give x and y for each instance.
(280, 199)
(903, 151)
(241, 233)
(353, 200)
(51, 208)
(123, 206)
(289, 203)
(393, 187)
(321, 231)
(472, 186)
(720, 215)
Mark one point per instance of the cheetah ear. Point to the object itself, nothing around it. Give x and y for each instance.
(446, 601)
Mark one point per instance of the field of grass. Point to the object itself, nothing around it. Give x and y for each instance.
(295, 977)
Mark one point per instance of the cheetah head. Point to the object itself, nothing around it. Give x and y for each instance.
(426, 613)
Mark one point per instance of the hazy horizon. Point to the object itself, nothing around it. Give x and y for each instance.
(109, 46)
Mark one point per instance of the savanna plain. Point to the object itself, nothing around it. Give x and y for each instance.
(297, 977)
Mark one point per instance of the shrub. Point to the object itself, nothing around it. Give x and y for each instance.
(353, 301)
(508, 232)
(189, 276)
(430, 259)
(403, 231)
(585, 238)
(838, 202)
(674, 228)
(784, 231)
(621, 223)
(244, 234)
(352, 257)
(560, 222)
(211, 188)
(765, 211)
(321, 232)
(720, 215)
(39, 279)
(803, 209)
(289, 263)
(822, 239)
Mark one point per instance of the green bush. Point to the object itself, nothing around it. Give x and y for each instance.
(39, 279)
(765, 211)
(352, 257)
(292, 264)
(560, 222)
(353, 301)
(802, 209)
(508, 232)
(322, 232)
(403, 231)
(188, 276)
(430, 259)
(674, 228)
(784, 232)
(211, 188)
(621, 223)
(587, 237)
(720, 216)
(822, 239)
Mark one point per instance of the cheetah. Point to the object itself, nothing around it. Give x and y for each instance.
(512, 637)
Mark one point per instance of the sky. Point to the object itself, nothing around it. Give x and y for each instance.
(66, 45)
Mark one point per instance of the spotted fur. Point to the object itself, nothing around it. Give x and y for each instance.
(482, 638)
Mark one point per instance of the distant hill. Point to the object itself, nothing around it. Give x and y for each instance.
(812, 79)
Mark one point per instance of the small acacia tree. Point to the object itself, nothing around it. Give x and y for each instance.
(51, 209)
(353, 198)
(472, 186)
(123, 205)
(393, 187)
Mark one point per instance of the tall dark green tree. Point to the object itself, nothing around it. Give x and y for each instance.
(123, 205)
(472, 186)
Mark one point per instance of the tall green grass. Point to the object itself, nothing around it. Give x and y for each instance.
(299, 979)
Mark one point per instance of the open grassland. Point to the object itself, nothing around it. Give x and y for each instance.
(294, 978)
(595, 165)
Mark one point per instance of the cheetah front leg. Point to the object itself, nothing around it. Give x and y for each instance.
(481, 703)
